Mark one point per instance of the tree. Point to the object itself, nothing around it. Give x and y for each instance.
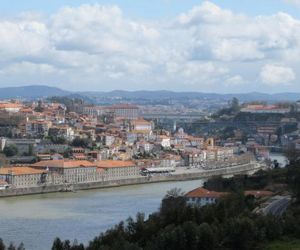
(235, 105)
(39, 107)
(79, 142)
(2, 246)
(57, 244)
(240, 233)
(67, 152)
(11, 247)
(58, 140)
(293, 179)
(21, 246)
(10, 150)
(206, 237)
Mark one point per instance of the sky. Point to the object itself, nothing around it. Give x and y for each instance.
(227, 46)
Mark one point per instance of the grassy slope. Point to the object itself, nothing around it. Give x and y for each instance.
(293, 244)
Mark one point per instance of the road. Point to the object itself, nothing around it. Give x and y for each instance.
(277, 205)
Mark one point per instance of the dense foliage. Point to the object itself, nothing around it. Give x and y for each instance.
(228, 224)
(10, 150)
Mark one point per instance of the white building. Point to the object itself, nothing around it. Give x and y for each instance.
(37, 128)
(201, 197)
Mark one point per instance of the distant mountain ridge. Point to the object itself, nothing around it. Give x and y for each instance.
(164, 94)
(42, 91)
(32, 91)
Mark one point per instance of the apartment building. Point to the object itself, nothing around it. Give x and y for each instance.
(141, 125)
(112, 170)
(62, 131)
(125, 111)
(19, 177)
(68, 171)
(37, 128)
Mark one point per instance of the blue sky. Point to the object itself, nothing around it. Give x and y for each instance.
(182, 45)
(154, 8)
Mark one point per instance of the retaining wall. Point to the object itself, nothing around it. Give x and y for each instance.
(245, 168)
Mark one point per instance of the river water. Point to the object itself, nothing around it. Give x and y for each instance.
(36, 220)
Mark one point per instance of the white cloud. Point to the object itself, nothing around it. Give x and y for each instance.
(295, 2)
(237, 49)
(206, 49)
(275, 74)
(234, 81)
(28, 69)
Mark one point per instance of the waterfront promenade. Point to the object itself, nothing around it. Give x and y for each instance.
(181, 174)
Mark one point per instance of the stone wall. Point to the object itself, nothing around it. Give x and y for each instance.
(132, 181)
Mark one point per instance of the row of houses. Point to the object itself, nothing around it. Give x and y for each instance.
(66, 171)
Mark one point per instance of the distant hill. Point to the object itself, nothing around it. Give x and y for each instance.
(38, 91)
(34, 91)
(164, 94)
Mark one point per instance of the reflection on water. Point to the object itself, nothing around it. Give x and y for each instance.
(36, 220)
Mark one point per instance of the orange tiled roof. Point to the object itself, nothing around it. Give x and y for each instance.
(140, 121)
(114, 164)
(259, 193)
(203, 193)
(20, 170)
(64, 164)
(10, 105)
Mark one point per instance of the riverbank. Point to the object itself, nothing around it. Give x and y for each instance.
(192, 174)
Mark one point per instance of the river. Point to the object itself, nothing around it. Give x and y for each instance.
(37, 219)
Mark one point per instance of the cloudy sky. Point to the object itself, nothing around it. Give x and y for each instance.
(208, 46)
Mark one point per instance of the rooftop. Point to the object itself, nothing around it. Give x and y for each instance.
(20, 170)
(257, 193)
(204, 193)
(114, 164)
(64, 164)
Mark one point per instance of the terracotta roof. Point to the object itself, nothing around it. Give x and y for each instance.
(10, 105)
(141, 121)
(258, 193)
(20, 170)
(114, 164)
(204, 193)
(64, 164)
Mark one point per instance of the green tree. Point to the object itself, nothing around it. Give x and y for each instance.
(206, 237)
(79, 142)
(10, 150)
(21, 246)
(2, 245)
(240, 233)
(235, 105)
(67, 152)
(57, 244)
(11, 247)
(39, 108)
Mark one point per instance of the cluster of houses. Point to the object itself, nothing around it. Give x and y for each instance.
(114, 142)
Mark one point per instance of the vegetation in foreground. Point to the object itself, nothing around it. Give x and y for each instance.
(289, 244)
(229, 224)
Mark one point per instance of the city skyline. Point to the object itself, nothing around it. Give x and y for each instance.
(204, 46)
